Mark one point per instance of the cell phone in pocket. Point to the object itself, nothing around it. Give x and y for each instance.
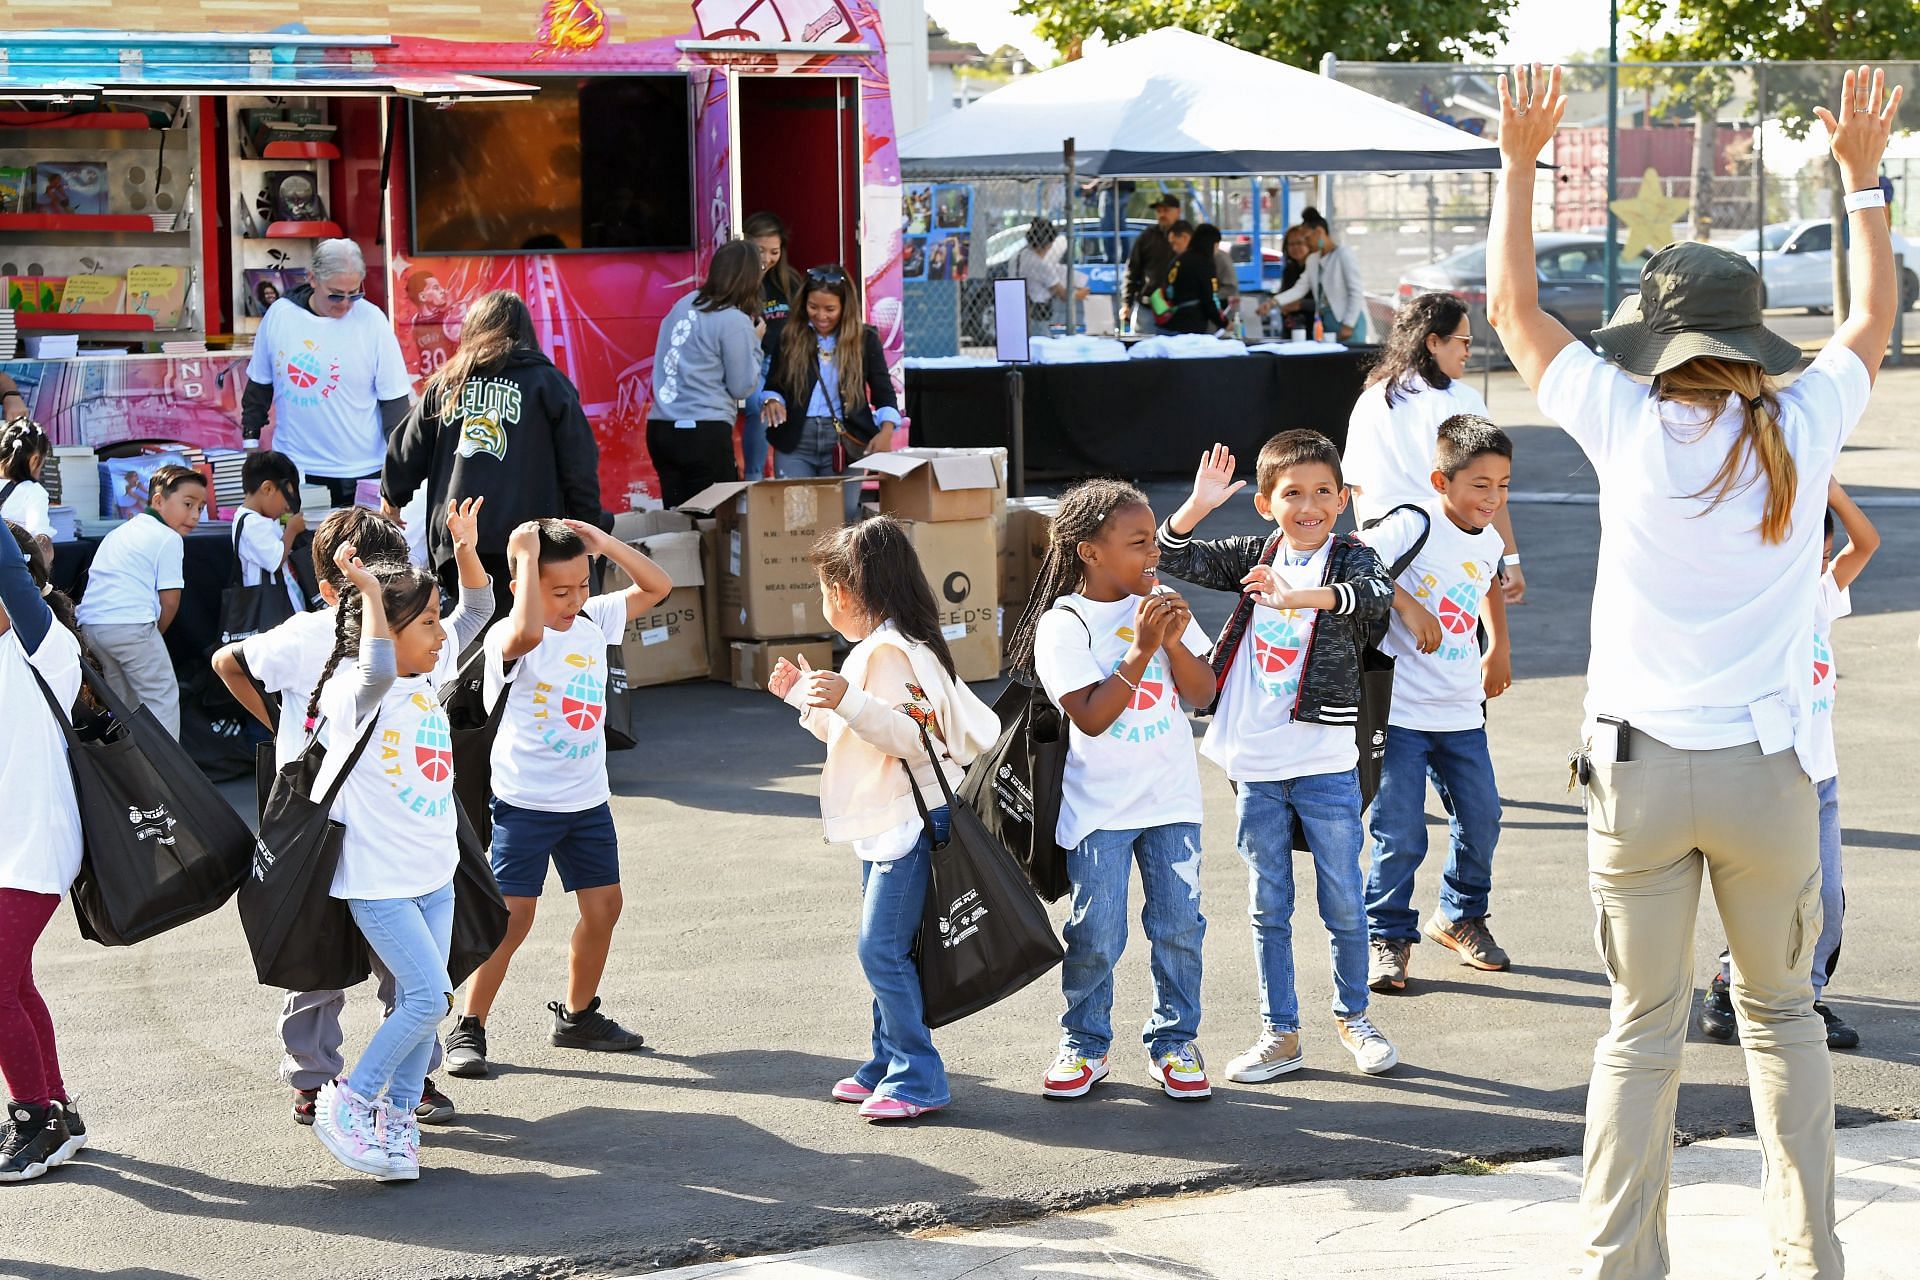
(1612, 739)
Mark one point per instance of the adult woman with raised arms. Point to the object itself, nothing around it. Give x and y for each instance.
(1712, 485)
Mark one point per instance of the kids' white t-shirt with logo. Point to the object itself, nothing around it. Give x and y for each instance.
(397, 805)
(1254, 736)
(328, 379)
(551, 753)
(41, 853)
(1442, 691)
(288, 660)
(1142, 771)
(1833, 602)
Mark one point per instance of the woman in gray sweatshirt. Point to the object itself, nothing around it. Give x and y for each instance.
(707, 362)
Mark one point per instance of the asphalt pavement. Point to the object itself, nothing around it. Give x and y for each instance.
(736, 959)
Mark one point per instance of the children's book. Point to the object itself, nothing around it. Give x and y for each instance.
(16, 189)
(70, 186)
(93, 295)
(160, 292)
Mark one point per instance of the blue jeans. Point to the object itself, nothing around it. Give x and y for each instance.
(813, 455)
(412, 937)
(1328, 806)
(1462, 772)
(1096, 934)
(1833, 896)
(904, 1065)
(753, 430)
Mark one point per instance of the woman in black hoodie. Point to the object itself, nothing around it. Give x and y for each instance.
(496, 421)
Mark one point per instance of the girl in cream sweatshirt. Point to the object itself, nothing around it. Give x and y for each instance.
(898, 680)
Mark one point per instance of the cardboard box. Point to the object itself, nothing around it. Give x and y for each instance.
(669, 641)
(1028, 530)
(767, 586)
(632, 526)
(961, 567)
(753, 660)
(937, 484)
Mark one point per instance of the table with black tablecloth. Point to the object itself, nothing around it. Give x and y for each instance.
(1139, 417)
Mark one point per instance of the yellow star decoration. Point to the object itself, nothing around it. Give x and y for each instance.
(1649, 217)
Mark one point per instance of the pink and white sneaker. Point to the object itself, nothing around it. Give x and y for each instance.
(401, 1134)
(881, 1110)
(349, 1129)
(851, 1090)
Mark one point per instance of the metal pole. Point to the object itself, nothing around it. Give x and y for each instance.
(1072, 181)
(1610, 288)
(1329, 66)
(1016, 435)
(1760, 169)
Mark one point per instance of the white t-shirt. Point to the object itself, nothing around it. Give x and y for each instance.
(1696, 621)
(1389, 453)
(26, 506)
(135, 563)
(1834, 601)
(401, 840)
(1142, 771)
(551, 753)
(260, 545)
(1442, 691)
(288, 660)
(329, 377)
(40, 848)
(1254, 736)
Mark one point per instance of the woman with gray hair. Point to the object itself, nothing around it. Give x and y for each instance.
(325, 361)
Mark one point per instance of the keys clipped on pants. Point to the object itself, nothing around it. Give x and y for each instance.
(1580, 766)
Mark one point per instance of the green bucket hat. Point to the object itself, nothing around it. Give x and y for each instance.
(1695, 300)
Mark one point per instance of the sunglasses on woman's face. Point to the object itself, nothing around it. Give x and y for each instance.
(827, 275)
(355, 296)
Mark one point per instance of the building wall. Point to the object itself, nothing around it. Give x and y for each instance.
(905, 24)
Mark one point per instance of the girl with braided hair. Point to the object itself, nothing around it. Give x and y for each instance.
(24, 447)
(399, 849)
(1115, 650)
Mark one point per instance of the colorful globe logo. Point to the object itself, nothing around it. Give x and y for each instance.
(303, 370)
(583, 701)
(1276, 645)
(1460, 608)
(1822, 660)
(433, 748)
(1152, 685)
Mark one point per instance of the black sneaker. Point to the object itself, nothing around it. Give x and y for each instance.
(466, 1053)
(1839, 1034)
(33, 1141)
(76, 1131)
(1716, 1012)
(591, 1029)
(434, 1106)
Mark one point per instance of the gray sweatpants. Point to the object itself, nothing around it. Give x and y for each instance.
(310, 1033)
(134, 660)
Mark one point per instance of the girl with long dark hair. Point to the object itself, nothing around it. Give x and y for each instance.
(1417, 384)
(497, 421)
(780, 285)
(898, 680)
(828, 390)
(706, 363)
(1699, 737)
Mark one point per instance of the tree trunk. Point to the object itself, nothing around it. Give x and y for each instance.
(1706, 135)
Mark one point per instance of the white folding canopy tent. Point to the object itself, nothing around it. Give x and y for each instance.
(1176, 104)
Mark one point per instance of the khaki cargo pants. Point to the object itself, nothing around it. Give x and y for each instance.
(1654, 823)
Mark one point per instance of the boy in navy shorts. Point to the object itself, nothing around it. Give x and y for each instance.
(549, 787)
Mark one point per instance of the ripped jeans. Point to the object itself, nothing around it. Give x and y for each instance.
(412, 937)
(1101, 868)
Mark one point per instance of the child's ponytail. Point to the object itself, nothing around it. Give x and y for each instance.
(1084, 511)
(346, 640)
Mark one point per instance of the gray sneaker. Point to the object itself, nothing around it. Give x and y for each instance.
(1470, 939)
(1387, 965)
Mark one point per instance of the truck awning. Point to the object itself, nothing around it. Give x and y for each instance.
(46, 72)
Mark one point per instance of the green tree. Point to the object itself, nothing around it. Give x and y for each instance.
(1298, 32)
(1775, 31)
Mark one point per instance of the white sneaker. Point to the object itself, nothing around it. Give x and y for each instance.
(400, 1134)
(1073, 1074)
(1273, 1055)
(1181, 1073)
(347, 1127)
(1373, 1052)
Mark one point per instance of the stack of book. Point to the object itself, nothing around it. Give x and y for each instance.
(185, 347)
(65, 522)
(229, 491)
(78, 472)
(8, 335)
(53, 346)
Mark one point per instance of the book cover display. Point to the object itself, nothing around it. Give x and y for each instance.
(160, 292)
(70, 186)
(16, 189)
(93, 295)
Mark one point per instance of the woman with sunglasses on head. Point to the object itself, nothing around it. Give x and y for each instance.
(327, 366)
(707, 362)
(1417, 384)
(1700, 739)
(830, 398)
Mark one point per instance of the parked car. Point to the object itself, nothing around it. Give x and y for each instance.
(1572, 273)
(1797, 267)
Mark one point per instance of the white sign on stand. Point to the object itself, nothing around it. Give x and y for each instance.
(1010, 320)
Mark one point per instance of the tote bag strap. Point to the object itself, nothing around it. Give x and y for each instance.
(277, 578)
(353, 759)
(60, 715)
(946, 788)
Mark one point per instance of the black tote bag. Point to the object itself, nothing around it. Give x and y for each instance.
(1014, 786)
(302, 938)
(473, 727)
(984, 935)
(160, 845)
(246, 611)
(619, 702)
(479, 912)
